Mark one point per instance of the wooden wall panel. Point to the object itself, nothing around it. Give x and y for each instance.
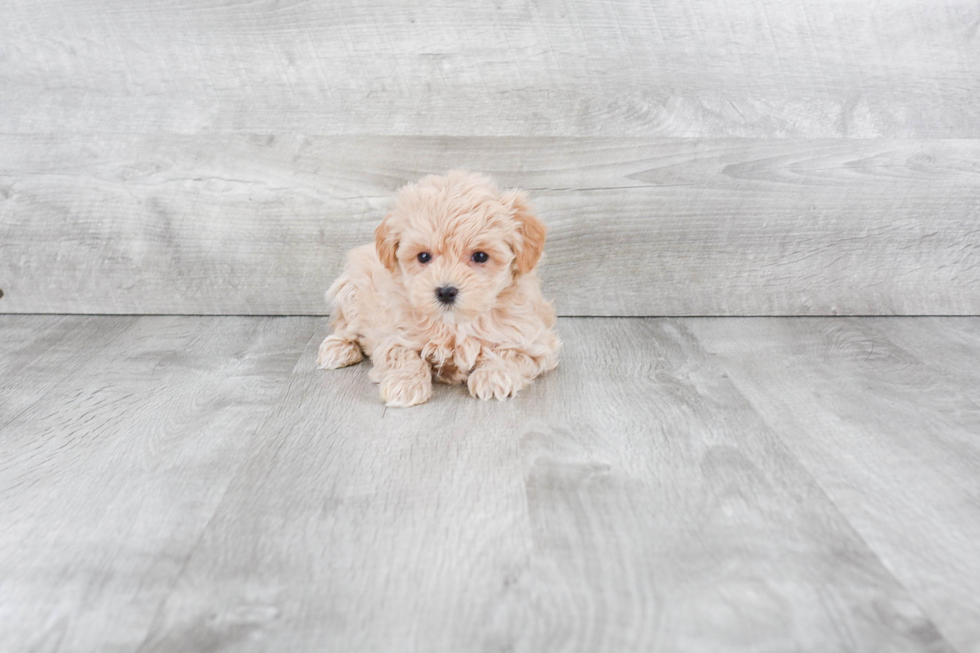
(245, 224)
(705, 157)
(700, 68)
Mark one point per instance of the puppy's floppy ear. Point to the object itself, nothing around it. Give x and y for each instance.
(530, 245)
(386, 242)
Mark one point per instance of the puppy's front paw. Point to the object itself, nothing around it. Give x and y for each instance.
(404, 388)
(493, 381)
(336, 352)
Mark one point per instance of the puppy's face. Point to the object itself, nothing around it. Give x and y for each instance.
(456, 241)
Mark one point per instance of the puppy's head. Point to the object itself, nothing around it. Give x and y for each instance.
(456, 241)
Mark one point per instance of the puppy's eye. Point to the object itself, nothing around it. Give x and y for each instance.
(481, 257)
(424, 257)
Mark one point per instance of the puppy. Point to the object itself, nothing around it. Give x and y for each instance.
(448, 291)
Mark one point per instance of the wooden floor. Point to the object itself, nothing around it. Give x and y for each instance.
(191, 484)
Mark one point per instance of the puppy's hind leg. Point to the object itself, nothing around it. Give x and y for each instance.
(340, 348)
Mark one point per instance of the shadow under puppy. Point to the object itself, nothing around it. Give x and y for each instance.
(448, 290)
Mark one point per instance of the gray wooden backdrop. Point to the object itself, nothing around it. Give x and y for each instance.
(708, 157)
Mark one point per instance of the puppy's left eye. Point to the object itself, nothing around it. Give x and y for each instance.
(480, 257)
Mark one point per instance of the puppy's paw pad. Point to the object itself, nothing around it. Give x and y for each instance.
(402, 391)
(337, 352)
(493, 383)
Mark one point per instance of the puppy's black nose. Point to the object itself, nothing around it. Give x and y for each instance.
(447, 294)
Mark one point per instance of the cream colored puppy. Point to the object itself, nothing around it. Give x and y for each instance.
(448, 290)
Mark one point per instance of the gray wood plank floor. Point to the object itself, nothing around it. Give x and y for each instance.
(196, 484)
(115, 448)
(899, 453)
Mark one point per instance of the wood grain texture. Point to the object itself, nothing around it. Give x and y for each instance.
(247, 224)
(631, 501)
(110, 473)
(706, 68)
(885, 415)
(38, 352)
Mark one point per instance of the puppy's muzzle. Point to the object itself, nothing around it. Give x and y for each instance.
(447, 294)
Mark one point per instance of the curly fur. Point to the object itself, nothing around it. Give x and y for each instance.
(496, 337)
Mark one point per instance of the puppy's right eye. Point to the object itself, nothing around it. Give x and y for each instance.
(424, 258)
